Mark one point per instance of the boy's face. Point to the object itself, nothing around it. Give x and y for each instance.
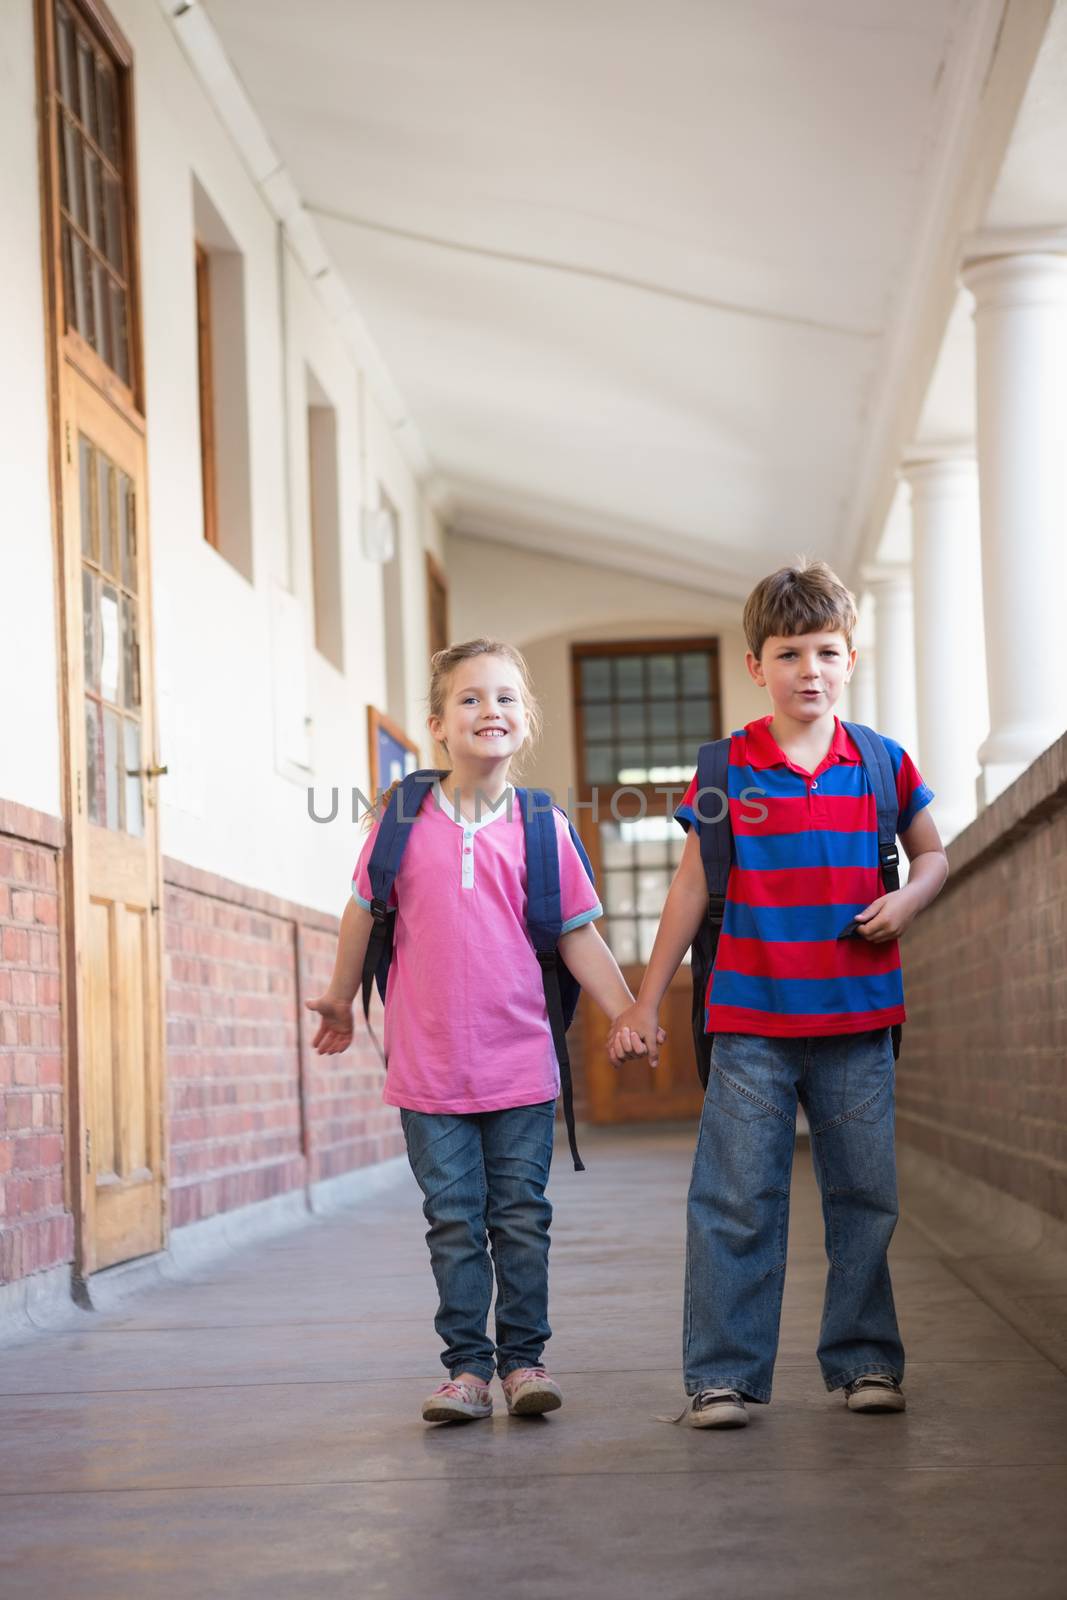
(804, 674)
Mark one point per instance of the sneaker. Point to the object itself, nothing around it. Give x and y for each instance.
(874, 1391)
(530, 1392)
(458, 1402)
(716, 1408)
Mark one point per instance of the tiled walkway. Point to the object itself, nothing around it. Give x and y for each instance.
(254, 1432)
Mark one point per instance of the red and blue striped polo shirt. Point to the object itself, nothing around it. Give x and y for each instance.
(800, 875)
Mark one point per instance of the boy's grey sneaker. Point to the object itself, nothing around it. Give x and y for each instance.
(716, 1408)
(874, 1391)
(458, 1402)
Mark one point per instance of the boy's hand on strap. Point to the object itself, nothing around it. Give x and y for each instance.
(335, 1028)
(635, 1032)
(887, 917)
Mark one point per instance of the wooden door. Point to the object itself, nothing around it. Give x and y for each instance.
(117, 880)
(641, 711)
(112, 866)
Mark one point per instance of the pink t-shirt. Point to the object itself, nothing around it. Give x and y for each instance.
(466, 1027)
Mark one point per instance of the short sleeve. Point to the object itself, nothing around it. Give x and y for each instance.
(361, 889)
(685, 812)
(577, 893)
(913, 794)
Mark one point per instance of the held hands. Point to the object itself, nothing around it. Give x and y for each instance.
(887, 917)
(635, 1032)
(335, 1027)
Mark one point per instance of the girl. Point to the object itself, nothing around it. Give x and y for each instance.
(471, 1061)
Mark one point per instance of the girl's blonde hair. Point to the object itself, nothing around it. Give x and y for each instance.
(442, 665)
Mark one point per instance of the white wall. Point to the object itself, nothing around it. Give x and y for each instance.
(228, 805)
(29, 691)
(543, 605)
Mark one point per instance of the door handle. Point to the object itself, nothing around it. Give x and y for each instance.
(155, 772)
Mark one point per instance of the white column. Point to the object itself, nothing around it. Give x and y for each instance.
(894, 661)
(863, 694)
(862, 699)
(1021, 343)
(952, 705)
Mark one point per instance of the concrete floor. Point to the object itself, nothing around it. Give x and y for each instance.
(254, 1431)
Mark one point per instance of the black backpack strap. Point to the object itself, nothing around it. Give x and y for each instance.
(879, 769)
(544, 923)
(394, 831)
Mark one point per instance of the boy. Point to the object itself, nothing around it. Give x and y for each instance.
(798, 1013)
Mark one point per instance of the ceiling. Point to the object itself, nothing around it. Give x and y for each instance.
(635, 273)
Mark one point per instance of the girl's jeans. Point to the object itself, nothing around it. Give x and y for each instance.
(486, 1174)
(739, 1207)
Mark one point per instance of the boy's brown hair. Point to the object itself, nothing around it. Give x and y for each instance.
(805, 598)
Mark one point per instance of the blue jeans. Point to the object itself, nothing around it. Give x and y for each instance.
(485, 1175)
(738, 1216)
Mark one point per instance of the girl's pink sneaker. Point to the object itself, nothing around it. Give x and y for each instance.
(530, 1392)
(458, 1402)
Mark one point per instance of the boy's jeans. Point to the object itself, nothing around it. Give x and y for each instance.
(739, 1207)
(487, 1173)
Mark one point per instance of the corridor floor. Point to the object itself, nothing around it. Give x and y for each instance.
(253, 1431)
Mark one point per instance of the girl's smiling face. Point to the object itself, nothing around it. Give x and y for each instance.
(484, 716)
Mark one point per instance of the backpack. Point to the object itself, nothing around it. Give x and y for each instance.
(717, 853)
(544, 917)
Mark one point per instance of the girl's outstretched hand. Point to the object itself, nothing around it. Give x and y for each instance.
(635, 1032)
(335, 1028)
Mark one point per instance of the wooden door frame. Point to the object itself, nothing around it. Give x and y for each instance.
(68, 360)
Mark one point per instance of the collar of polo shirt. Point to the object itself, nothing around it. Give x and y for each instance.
(502, 808)
(762, 749)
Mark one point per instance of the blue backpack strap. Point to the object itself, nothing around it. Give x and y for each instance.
(716, 834)
(544, 923)
(394, 830)
(716, 854)
(879, 770)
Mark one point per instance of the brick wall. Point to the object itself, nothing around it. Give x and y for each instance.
(253, 1111)
(36, 1230)
(983, 1072)
(232, 1071)
(347, 1124)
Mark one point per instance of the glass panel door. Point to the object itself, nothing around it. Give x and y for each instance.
(111, 643)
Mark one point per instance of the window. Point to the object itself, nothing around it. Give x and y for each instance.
(94, 189)
(395, 633)
(642, 710)
(222, 379)
(324, 517)
(111, 643)
(208, 455)
(638, 857)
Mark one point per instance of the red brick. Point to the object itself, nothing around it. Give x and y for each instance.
(25, 1073)
(22, 905)
(23, 989)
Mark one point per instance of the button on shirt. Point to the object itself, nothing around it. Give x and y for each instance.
(466, 1028)
(800, 874)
